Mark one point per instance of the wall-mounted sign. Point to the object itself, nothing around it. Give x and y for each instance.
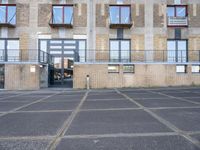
(32, 69)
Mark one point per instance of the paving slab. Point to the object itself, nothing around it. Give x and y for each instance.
(42, 106)
(185, 94)
(197, 137)
(32, 124)
(107, 104)
(24, 144)
(115, 121)
(194, 99)
(7, 106)
(23, 98)
(64, 98)
(146, 95)
(105, 96)
(185, 119)
(164, 102)
(128, 143)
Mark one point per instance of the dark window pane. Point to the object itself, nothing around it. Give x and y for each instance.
(125, 15)
(2, 14)
(114, 15)
(58, 14)
(12, 14)
(68, 18)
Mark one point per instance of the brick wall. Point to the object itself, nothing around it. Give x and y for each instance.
(19, 77)
(146, 75)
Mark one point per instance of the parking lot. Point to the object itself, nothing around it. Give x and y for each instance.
(106, 119)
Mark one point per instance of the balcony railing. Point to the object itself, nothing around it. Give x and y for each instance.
(141, 56)
(26, 56)
(178, 21)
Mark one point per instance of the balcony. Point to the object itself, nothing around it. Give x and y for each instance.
(177, 21)
(62, 16)
(8, 15)
(25, 56)
(120, 16)
(143, 56)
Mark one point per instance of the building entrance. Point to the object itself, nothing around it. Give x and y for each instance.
(65, 52)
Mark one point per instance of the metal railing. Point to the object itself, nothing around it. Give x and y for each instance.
(24, 55)
(177, 21)
(141, 56)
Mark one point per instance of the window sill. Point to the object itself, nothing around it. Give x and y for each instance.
(7, 25)
(54, 25)
(126, 26)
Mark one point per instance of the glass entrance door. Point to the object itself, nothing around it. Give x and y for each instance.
(63, 71)
(1, 76)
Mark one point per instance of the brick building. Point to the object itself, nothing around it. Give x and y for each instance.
(118, 43)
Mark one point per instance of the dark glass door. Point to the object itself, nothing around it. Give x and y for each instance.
(2, 76)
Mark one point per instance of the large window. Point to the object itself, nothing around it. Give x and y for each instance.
(120, 15)
(120, 51)
(177, 11)
(7, 14)
(9, 50)
(177, 50)
(62, 14)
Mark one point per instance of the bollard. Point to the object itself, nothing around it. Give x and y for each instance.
(88, 82)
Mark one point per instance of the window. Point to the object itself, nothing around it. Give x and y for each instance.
(177, 11)
(196, 69)
(120, 51)
(9, 50)
(120, 15)
(181, 68)
(62, 14)
(177, 50)
(7, 14)
(113, 68)
(128, 68)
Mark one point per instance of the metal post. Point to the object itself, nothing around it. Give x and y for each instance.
(88, 82)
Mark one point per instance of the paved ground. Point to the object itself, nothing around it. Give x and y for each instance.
(122, 119)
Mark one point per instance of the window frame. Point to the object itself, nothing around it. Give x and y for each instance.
(63, 14)
(176, 49)
(133, 71)
(120, 49)
(175, 10)
(185, 69)
(120, 14)
(6, 49)
(193, 71)
(116, 65)
(7, 14)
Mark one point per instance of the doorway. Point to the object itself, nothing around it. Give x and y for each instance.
(2, 76)
(65, 52)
